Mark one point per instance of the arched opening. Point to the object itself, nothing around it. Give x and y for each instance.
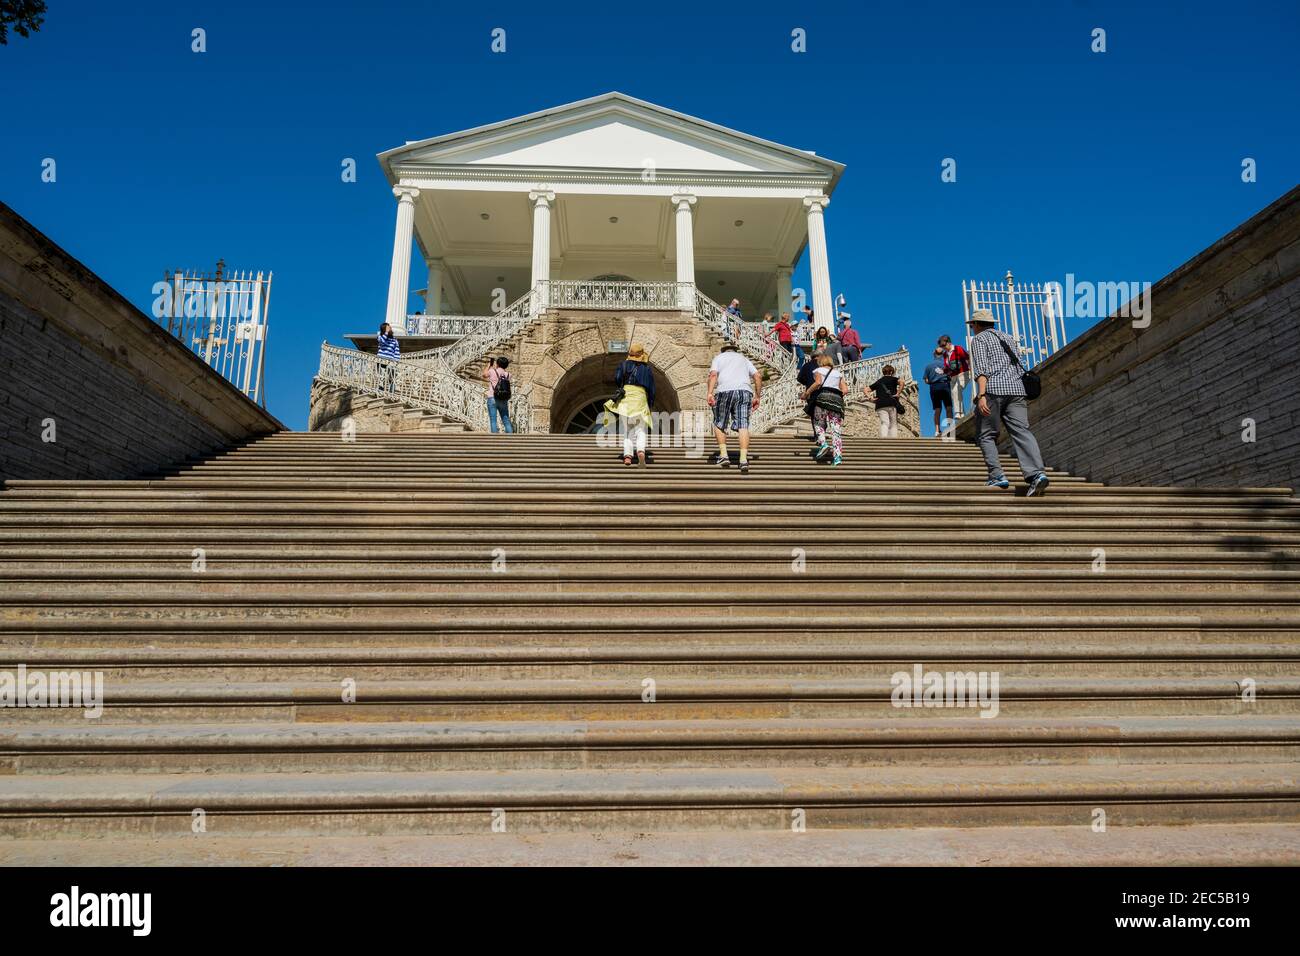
(580, 394)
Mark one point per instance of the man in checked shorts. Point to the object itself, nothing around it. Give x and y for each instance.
(734, 389)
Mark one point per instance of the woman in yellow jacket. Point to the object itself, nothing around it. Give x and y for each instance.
(637, 395)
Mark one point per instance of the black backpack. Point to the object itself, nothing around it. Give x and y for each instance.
(501, 391)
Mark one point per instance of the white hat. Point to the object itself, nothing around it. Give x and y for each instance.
(982, 317)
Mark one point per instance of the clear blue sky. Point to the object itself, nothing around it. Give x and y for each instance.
(1114, 166)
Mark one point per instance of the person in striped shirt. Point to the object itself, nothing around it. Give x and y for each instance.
(388, 349)
(1000, 400)
(388, 344)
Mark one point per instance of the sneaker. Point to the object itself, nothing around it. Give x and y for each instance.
(1037, 485)
(744, 466)
(998, 483)
(725, 461)
(716, 459)
(837, 460)
(822, 452)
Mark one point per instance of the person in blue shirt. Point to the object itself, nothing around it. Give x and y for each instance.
(940, 392)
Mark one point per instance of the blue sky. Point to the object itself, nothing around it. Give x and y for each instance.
(1114, 166)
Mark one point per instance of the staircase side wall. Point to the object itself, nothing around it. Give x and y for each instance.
(117, 394)
(1173, 403)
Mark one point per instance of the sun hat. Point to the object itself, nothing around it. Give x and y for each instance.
(636, 353)
(982, 317)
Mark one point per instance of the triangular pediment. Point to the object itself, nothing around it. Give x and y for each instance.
(611, 132)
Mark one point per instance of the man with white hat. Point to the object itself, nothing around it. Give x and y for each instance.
(1000, 400)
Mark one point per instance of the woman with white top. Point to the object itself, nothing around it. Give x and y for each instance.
(826, 393)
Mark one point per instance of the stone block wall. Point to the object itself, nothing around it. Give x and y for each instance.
(90, 387)
(1174, 403)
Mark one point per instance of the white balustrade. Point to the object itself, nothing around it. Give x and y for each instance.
(446, 326)
(431, 387)
(602, 294)
(489, 334)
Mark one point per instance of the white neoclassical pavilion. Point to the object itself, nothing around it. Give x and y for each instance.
(610, 187)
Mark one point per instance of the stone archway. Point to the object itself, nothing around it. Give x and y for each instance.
(588, 383)
(568, 359)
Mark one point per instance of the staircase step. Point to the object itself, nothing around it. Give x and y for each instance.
(465, 802)
(93, 747)
(1221, 845)
(775, 696)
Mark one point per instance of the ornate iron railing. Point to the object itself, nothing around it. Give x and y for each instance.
(446, 326)
(491, 333)
(604, 294)
(749, 337)
(431, 387)
(863, 372)
(783, 400)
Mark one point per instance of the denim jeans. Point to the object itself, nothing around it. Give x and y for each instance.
(496, 408)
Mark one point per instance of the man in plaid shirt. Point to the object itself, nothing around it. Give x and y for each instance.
(1000, 400)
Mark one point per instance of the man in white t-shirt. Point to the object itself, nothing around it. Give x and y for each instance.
(734, 389)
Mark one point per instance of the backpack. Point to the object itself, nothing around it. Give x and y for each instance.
(501, 391)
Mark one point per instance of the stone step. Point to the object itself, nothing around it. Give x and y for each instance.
(1268, 661)
(1240, 844)
(553, 598)
(1155, 636)
(176, 699)
(636, 575)
(94, 747)
(494, 529)
(37, 560)
(1267, 653)
(526, 801)
(846, 508)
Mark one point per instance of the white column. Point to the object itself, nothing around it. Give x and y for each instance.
(433, 293)
(685, 247)
(784, 289)
(399, 277)
(541, 198)
(817, 260)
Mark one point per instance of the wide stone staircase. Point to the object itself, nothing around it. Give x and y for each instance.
(433, 644)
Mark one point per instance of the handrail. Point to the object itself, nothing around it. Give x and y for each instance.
(749, 337)
(507, 323)
(445, 326)
(783, 401)
(430, 387)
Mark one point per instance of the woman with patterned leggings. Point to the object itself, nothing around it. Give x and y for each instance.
(827, 393)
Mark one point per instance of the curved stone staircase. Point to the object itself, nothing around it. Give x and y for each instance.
(543, 642)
